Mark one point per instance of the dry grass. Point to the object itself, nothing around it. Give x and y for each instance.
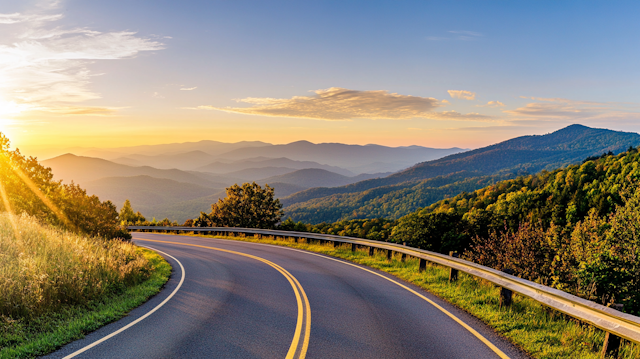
(43, 269)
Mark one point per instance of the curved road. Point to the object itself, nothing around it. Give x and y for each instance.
(231, 299)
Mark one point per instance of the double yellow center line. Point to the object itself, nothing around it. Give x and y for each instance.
(300, 342)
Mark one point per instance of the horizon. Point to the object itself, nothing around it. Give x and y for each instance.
(464, 75)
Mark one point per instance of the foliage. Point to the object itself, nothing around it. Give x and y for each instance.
(247, 206)
(128, 217)
(60, 268)
(27, 338)
(29, 188)
(390, 202)
(428, 182)
(377, 229)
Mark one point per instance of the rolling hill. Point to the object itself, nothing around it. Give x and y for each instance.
(85, 169)
(263, 162)
(314, 177)
(408, 188)
(378, 158)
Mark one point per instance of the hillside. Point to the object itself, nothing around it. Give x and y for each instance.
(85, 169)
(314, 177)
(182, 161)
(527, 154)
(378, 158)
(262, 162)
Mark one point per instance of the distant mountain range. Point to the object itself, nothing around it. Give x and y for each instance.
(408, 190)
(221, 158)
(320, 182)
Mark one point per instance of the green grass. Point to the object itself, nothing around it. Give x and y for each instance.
(539, 331)
(48, 332)
(56, 286)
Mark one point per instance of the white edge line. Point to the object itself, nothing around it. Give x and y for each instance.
(137, 320)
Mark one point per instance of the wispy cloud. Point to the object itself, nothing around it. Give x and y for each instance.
(45, 67)
(465, 95)
(338, 104)
(565, 109)
(493, 104)
(188, 88)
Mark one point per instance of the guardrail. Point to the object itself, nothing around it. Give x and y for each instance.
(608, 319)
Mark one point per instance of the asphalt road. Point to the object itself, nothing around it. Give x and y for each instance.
(245, 300)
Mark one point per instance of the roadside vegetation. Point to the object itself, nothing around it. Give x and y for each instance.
(66, 265)
(56, 286)
(541, 332)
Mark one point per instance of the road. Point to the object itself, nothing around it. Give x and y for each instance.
(232, 299)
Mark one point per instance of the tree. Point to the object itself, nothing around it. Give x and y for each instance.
(128, 216)
(248, 206)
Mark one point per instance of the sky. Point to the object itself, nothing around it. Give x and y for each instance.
(97, 73)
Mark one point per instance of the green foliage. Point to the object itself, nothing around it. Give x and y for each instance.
(438, 232)
(43, 268)
(29, 188)
(247, 206)
(389, 201)
(127, 216)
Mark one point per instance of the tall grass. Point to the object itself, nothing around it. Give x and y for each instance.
(43, 269)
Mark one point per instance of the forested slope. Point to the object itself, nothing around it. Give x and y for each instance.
(427, 182)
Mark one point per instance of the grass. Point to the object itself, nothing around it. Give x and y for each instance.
(56, 286)
(539, 331)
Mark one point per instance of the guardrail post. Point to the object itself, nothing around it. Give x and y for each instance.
(404, 255)
(506, 296)
(423, 265)
(389, 254)
(611, 341)
(353, 247)
(453, 273)
(335, 244)
(371, 249)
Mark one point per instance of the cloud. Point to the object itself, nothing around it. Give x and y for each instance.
(493, 104)
(466, 95)
(338, 104)
(45, 67)
(83, 110)
(456, 116)
(564, 109)
(18, 18)
(188, 88)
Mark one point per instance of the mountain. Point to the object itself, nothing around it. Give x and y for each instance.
(262, 162)
(527, 154)
(85, 169)
(182, 161)
(314, 177)
(213, 148)
(390, 159)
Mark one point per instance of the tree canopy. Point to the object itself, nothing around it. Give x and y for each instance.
(247, 206)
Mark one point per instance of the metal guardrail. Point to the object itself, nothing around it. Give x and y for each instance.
(608, 319)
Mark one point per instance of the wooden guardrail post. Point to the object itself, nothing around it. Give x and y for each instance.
(353, 247)
(423, 265)
(453, 273)
(335, 244)
(371, 249)
(404, 255)
(506, 296)
(389, 254)
(611, 342)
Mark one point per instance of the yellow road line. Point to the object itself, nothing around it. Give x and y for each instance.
(484, 340)
(304, 311)
(80, 351)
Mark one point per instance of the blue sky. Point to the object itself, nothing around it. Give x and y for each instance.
(464, 73)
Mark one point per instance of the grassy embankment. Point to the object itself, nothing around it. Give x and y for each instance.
(541, 332)
(56, 286)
